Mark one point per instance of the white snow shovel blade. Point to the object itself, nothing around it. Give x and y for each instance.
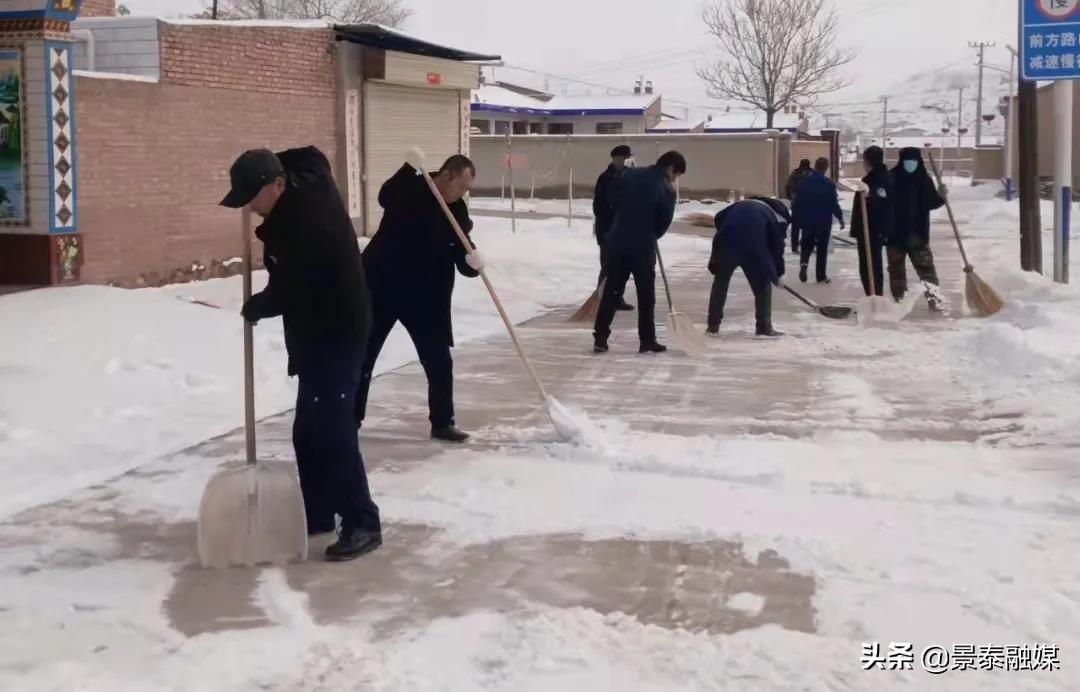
(686, 335)
(252, 514)
(879, 310)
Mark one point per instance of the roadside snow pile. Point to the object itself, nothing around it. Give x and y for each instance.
(97, 381)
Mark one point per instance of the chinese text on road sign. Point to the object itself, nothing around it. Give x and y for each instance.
(1050, 39)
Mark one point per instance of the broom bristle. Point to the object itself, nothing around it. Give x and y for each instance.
(587, 312)
(699, 219)
(981, 298)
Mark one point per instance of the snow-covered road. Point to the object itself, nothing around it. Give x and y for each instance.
(744, 522)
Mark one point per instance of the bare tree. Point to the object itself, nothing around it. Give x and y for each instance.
(774, 53)
(388, 12)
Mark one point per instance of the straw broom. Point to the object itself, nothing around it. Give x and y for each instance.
(982, 300)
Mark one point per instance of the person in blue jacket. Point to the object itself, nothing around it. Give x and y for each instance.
(815, 205)
(644, 208)
(749, 236)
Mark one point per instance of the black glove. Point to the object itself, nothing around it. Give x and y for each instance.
(251, 311)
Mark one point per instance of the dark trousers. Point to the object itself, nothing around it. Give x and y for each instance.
(816, 241)
(331, 469)
(621, 266)
(604, 271)
(758, 284)
(432, 343)
(875, 258)
(794, 238)
(921, 258)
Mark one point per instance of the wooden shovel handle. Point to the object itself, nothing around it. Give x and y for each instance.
(952, 219)
(468, 245)
(249, 343)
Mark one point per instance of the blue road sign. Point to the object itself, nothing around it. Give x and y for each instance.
(1049, 39)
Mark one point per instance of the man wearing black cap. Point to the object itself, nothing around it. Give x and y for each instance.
(603, 207)
(316, 283)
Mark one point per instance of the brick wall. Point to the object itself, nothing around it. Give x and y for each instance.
(98, 8)
(273, 60)
(153, 165)
(154, 157)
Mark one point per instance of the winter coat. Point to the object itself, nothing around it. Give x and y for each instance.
(411, 260)
(603, 206)
(815, 203)
(644, 209)
(751, 234)
(797, 176)
(914, 197)
(316, 279)
(879, 207)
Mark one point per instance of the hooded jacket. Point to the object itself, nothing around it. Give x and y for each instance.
(879, 202)
(797, 176)
(751, 233)
(316, 280)
(411, 260)
(915, 196)
(644, 209)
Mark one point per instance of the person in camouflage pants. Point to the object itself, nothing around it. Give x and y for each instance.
(914, 197)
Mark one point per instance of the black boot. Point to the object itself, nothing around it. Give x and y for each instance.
(802, 273)
(826, 280)
(768, 333)
(352, 544)
(448, 433)
(600, 347)
(654, 347)
(624, 306)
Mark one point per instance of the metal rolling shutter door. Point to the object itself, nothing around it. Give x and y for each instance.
(398, 118)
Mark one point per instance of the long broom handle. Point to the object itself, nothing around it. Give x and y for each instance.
(866, 244)
(467, 244)
(249, 344)
(952, 219)
(663, 275)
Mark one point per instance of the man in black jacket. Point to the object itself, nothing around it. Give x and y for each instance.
(410, 267)
(914, 196)
(878, 193)
(316, 283)
(644, 209)
(749, 236)
(603, 206)
(794, 180)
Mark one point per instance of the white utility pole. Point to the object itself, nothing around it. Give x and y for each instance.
(1010, 123)
(980, 46)
(885, 127)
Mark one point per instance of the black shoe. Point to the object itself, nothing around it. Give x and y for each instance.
(654, 347)
(599, 348)
(625, 307)
(352, 544)
(826, 280)
(794, 249)
(769, 333)
(802, 273)
(448, 433)
(712, 332)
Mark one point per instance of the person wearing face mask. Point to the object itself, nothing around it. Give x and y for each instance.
(914, 197)
(644, 209)
(878, 193)
(410, 266)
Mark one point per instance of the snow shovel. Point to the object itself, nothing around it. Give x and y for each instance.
(833, 312)
(561, 419)
(252, 514)
(686, 335)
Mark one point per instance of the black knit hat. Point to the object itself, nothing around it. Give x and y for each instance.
(621, 151)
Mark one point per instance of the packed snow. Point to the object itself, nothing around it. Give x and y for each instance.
(925, 537)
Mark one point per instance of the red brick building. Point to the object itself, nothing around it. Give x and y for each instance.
(163, 107)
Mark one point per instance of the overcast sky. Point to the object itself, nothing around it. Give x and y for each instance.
(600, 41)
